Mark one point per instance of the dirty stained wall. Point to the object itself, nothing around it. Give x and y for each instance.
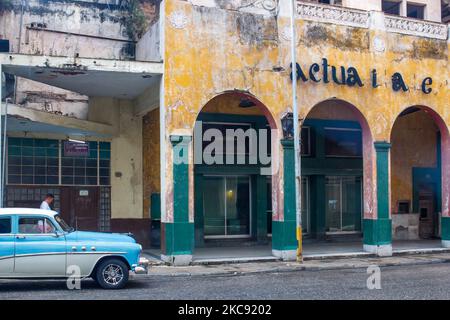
(89, 29)
(414, 144)
(239, 51)
(151, 158)
(126, 156)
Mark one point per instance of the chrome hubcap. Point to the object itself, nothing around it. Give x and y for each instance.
(112, 274)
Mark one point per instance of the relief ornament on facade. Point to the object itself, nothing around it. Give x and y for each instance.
(178, 20)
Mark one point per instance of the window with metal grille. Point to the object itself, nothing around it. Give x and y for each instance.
(47, 162)
(32, 161)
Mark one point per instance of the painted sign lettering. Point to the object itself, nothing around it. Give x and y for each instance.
(350, 76)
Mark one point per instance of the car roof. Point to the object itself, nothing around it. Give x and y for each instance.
(27, 211)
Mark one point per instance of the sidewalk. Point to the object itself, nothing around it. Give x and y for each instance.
(329, 256)
(311, 251)
(308, 265)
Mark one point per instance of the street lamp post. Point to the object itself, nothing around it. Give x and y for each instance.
(297, 157)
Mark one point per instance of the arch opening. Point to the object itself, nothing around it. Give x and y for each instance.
(419, 174)
(337, 172)
(232, 193)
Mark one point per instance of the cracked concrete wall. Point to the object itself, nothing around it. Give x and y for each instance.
(215, 48)
(126, 165)
(91, 29)
(151, 158)
(410, 131)
(126, 157)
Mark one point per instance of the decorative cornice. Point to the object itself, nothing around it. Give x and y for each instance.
(416, 27)
(333, 14)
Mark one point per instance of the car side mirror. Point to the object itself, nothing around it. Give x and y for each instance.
(56, 234)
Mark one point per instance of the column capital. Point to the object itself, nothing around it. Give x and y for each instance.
(382, 146)
(179, 139)
(287, 143)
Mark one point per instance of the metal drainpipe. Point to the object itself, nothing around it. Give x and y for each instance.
(1, 156)
(19, 47)
(297, 158)
(3, 174)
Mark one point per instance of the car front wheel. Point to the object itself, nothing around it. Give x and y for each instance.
(112, 274)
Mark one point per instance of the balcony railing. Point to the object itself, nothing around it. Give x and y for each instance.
(363, 19)
(333, 14)
(416, 27)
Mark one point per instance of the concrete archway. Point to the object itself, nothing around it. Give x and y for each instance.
(334, 163)
(420, 180)
(236, 190)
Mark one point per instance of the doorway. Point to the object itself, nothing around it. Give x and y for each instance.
(343, 204)
(80, 207)
(227, 207)
(427, 211)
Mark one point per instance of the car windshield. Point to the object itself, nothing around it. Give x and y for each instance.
(63, 224)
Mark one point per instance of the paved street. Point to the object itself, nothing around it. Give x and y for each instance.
(402, 282)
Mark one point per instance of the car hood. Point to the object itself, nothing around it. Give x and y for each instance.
(100, 236)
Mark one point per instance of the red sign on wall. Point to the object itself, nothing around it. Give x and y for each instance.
(76, 149)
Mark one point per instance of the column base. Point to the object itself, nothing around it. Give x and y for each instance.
(177, 260)
(380, 250)
(445, 232)
(445, 243)
(285, 255)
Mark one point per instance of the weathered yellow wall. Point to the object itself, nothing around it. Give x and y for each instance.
(414, 144)
(150, 158)
(217, 50)
(126, 165)
(332, 110)
(126, 154)
(243, 51)
(229, 104)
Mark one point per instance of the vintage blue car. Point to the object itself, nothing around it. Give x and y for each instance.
(38, 243)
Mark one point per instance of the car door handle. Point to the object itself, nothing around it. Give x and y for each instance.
(20, 237)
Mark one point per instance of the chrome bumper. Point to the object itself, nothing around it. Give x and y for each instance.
(141, 268)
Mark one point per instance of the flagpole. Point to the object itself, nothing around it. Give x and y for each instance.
(297, 158)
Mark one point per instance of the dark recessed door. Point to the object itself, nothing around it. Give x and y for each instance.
(80, 207)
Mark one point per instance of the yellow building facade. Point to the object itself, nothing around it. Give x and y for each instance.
(388, 74)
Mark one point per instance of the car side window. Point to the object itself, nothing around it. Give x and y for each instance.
(5, 225)
(36, 226)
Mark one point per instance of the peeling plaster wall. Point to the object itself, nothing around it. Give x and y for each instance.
(332, 110)
(151, 157)
(93, 29)
(414, 144)
(60, 22)
(39, 96)
(126, 166)
(126, 155)
(229, 104)
(252, 53)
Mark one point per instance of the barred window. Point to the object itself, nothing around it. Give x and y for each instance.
(79, 169)
(46, 162)
(32, 161)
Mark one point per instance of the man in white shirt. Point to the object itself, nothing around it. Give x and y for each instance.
(45, 205)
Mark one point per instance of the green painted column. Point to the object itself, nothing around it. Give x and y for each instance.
(198, 209)
(284, 238)
(445, 231)
(318, 207)
(378, 232)
(178, 235)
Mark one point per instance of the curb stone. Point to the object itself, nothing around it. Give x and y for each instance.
(316, 265)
